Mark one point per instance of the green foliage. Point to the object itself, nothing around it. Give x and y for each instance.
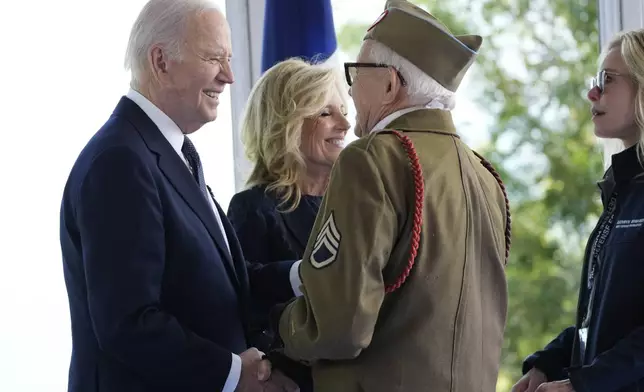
(531, 77)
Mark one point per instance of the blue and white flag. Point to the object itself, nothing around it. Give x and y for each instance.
(298, 28)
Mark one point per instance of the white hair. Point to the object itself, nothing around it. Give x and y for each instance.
(161, 22)
(421, 88)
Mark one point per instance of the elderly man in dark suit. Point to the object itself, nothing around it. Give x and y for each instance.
(158, 286)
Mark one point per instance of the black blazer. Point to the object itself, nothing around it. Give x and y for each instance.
(267, 235)
(157, 302)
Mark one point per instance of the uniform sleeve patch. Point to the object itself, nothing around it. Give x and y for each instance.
(327, 244)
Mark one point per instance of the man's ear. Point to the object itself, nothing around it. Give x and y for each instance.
(158, 61)
(394, 86)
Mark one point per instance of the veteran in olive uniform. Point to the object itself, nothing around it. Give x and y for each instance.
(403, 279)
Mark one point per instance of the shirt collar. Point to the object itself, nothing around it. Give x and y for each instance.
(392, 116)
(168, 128)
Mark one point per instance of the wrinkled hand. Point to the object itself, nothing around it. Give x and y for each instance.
(255, 371)
(280, 383)
(530, 381)
(299, 372)
(556, 386)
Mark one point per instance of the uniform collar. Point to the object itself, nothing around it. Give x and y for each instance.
(392, 116)
(424, 120)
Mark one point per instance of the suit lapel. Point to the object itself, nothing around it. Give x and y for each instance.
(239, 262)
(178, 175)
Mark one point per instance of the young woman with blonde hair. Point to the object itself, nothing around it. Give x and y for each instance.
(604, 351)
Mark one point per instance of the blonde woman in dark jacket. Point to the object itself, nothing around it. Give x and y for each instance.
(604, 350)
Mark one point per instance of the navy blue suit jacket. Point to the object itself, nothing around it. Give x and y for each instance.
(157, 302)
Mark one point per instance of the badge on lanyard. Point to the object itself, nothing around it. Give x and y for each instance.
(583, 338)
(598, 243)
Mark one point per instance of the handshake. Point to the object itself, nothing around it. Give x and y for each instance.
(257, 375)
(275, 371)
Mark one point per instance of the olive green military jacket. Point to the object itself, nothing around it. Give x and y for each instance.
(442, 330)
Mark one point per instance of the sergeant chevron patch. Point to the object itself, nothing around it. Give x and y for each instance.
(327, 244)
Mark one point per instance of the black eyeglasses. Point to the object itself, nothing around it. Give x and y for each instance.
(351, 70)
(599, 80)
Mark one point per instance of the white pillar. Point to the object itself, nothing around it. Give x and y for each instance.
(610, 20)
(246, 19)
(632, 14)
(619, 15)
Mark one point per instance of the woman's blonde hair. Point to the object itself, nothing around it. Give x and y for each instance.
(285, 95)
(631, 46)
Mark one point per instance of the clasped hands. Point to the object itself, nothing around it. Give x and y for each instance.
(257, 375)
(536, 381)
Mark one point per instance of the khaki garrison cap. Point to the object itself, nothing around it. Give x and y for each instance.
(420, 38)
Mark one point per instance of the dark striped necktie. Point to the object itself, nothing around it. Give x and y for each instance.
(190, 152)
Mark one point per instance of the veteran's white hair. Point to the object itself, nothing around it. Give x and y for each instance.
(421, 88)
(161, 22)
